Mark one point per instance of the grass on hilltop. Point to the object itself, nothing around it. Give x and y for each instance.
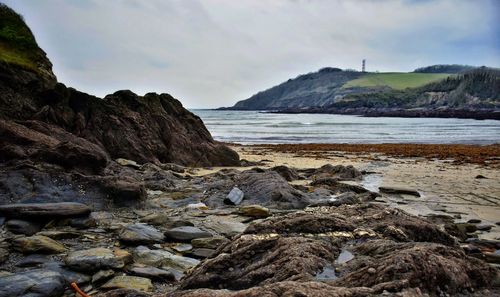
(395, 80)
(17, 43)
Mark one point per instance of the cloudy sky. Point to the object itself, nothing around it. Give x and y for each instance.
(211, 53)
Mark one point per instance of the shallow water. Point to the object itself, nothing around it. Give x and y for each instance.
(253, 127)
(328, 273)
(344, 257)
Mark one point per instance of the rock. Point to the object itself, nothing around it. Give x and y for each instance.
(32, 260)
(69, 275)
(484, 227)
(173, 167)
(152, 273)
(186, 233)
(209, 242)
(141, 234)
(23, 227)
(157, 219)
(130, 163)
(479, 176)
(371, 270)
(162, 258)
(199, 206)
(44, 210)
(337, 172)
(97, 259)
(224, 225)
(287, 173)
(4, 255)
(124, 293)
(203, 253)
(83, 222)
(399, 190)
(129, 282)
(102, 276)
(56, 234)
(235, 196)
(37, 244)
(37, 282)
(182, 247)
(255, 211)
(474, 221)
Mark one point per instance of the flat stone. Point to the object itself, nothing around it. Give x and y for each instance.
(203, 253)
(37, 282)
(23, 227)
(186, 233)
(141, 234)
(37, 244)
(224, 225)
(129, 282)
(235, 196)
(255, 211)
(55, 234)
(474, 221)
(152, 273)
(162, 258)
(399, 190)
(97, 259)
(4, 255)
(44, 210)
(32, 260)
(102, 276)
(484, 227)
(209, 242)
(182, 247)
(129, 163)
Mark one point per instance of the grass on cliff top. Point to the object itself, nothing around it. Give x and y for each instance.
(17, 43)
(395, 80)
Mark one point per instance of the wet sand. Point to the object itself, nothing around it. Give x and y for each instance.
(448, 183)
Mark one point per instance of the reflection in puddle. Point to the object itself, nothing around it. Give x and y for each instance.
(328, 273)
(344, 257)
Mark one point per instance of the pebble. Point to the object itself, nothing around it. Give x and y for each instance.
(141, 234)
(372, 270)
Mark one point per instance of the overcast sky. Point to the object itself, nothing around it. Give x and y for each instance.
(211, 53)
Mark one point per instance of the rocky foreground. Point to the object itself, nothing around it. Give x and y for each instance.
(242, 233)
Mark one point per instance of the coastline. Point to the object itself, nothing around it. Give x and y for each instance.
(461, 182)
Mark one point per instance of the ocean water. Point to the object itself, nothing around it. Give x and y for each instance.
(253, 127)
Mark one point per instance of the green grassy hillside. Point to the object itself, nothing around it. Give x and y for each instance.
(17, 43)
(395, 80)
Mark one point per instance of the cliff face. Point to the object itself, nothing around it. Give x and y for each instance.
(153, 128)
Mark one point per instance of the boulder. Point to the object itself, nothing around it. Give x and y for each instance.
(129, 282)
(140, 234)
(37, 244)
(97, 259)
(186, 233)
(44, 210)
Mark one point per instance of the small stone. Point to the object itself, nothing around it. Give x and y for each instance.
(399, 190)
(209, 242)
(23, 227)
(129, 282)
(203, 253)
(372, 270)
(37, 244)
(96, 259)
(474, 221)
(484, 227)
(480, 176)
(182, 247)
(199, 206)
(235, 196)
(186, 233)
(156, 219)
(54, 234)
(255, 211)
(102, 276)
(152, 273)
(129, 163)
(141, 234)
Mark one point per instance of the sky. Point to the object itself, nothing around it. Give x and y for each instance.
(212, 53)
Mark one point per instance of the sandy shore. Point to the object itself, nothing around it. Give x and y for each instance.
(448, 183)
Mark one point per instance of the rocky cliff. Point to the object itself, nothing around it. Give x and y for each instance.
(56, 141)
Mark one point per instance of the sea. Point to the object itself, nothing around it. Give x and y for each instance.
(254, 127)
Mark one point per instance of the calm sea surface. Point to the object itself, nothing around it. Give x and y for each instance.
(251, 127)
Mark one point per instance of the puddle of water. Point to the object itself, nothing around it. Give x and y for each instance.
(344, 257)
(372, 182)
(328, 273)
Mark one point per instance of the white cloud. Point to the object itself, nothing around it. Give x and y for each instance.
(211, 53)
